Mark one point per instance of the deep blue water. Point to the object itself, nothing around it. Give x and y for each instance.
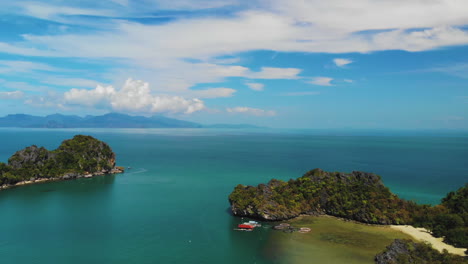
(172, 206)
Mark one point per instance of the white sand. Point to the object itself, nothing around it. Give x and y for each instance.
(424, 235)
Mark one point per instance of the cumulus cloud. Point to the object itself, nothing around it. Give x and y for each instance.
(255, 86)
(11, 95)
(99, 96)
(342, 62)
(251, 111)
(135, 96)
(322, 81)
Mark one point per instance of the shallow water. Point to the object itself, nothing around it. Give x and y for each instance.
(331, 240)
(172, 206)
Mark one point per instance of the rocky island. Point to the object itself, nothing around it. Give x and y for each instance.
(358, 196)
(407, 251)
(82, 156)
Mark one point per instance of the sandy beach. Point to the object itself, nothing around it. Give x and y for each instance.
(424, 235)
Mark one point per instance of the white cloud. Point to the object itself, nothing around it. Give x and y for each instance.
(342, 62)
(193, 5)
(134, 96)
(212, 93)
(287, 26)
(11, 66)
(49, 100)
(47, 11)
(275, 73)
(192, 45)
(348, 80)
(360, 15)
(11, 95)
(251, 111)
(169, 79)
(99, 96)
(323, 81)
(255, 86)
(64, 81)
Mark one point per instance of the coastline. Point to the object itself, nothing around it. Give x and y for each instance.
(331, 240)
(422, 234)
(68, 176)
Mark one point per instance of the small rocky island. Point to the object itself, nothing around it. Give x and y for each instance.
(82, 156)
(358, 196)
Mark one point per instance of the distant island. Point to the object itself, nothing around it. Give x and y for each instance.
(358, 196)
(111, 120)
(82, 156)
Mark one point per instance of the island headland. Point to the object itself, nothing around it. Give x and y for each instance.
(406, 251)
(358, 196)
(81, 156)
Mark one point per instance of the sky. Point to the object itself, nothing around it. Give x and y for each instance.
(362, 64)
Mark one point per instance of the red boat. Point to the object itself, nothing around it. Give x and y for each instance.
(245, 226)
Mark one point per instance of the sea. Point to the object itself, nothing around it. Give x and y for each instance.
(171, 205)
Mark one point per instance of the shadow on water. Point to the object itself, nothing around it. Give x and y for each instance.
(228, 211)
(76, 187)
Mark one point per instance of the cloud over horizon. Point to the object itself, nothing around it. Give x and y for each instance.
(11, 95)
(202, 56)
(250, 111)
(135, 97)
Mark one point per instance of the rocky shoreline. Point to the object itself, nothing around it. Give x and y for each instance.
(66, 177)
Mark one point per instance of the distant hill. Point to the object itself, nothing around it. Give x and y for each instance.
(111, 120)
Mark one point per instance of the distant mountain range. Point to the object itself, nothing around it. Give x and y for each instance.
(111, 120)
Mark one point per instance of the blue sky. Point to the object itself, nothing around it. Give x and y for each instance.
(280, 63)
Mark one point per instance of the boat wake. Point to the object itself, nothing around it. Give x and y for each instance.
(136, 171)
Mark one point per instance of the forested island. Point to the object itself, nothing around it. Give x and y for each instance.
(82, 156)
(358, 196)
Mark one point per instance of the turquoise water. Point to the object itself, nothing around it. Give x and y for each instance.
(172, 207)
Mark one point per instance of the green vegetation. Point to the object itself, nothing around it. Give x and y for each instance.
(358, 196)
(80, 155)
(408, 252)
(449, 219)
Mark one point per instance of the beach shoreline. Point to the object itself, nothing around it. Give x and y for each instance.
(423, 235)
(115, 170)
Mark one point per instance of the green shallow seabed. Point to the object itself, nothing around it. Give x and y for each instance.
(332, 240)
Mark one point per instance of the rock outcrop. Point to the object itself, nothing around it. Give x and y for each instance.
(409, 252)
